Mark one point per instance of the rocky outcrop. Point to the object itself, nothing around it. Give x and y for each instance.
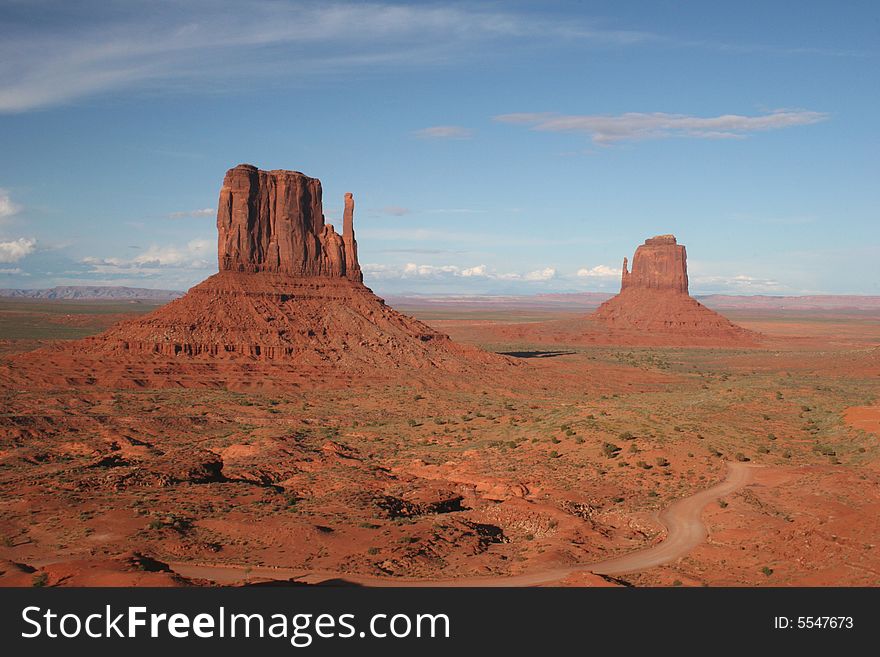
(273, 221)
(352, 268)
(289, 292)
(659, 264)
(654, 303)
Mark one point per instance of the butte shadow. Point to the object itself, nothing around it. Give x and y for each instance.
(653, 308)
(287, 304)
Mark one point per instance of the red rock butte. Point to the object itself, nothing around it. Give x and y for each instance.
(659, 264)
(289, 290)
(273, 221)
(654, 300)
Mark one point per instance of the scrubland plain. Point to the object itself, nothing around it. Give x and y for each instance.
(564, 460)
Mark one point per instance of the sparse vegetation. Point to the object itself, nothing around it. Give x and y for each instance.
(610, 450)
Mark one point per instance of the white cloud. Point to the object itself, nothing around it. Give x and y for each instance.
(15, 250)
(541, 274)
(204, 212)
(7, 207)
(194, 255)
(449, 272)
(635, 126)
(479, 270)
(599, 271)
(737, 284)
(12, 271)
(444, 132)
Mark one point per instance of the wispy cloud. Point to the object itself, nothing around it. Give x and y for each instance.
(395, 210)
(55, 51)
(15, 250)
(455, 211)
(444, 132)
(93, 49)
(204, 212)
(606, 129)
(7, 207)
(545, 274)
(470, 238)
(737, 284)
(195, 254)
(599, 271)
(417, 251)
(413, 270)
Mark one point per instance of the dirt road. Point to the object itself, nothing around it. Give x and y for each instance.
(684, 531)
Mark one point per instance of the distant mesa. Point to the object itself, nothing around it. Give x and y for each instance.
(92, 293)
(289, 291)
(654, 299)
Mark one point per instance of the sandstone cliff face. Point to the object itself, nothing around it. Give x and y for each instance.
(659, 264)
(273, 221)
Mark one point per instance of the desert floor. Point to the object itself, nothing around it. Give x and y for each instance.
(565, 461)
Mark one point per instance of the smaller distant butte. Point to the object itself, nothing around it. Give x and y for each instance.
(654, 299)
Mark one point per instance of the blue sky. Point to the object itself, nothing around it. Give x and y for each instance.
(498, 147)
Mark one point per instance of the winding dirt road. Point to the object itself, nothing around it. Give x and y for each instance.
(684, 531)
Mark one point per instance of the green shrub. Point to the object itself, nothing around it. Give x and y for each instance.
(610, 450)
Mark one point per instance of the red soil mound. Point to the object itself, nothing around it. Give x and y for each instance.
(289, 291)
(129, 569)
(668, 312)
(314, 321)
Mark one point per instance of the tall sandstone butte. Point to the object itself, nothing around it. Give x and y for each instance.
(289, 290)
(273, 221)
(659, 264)
(654, 301)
